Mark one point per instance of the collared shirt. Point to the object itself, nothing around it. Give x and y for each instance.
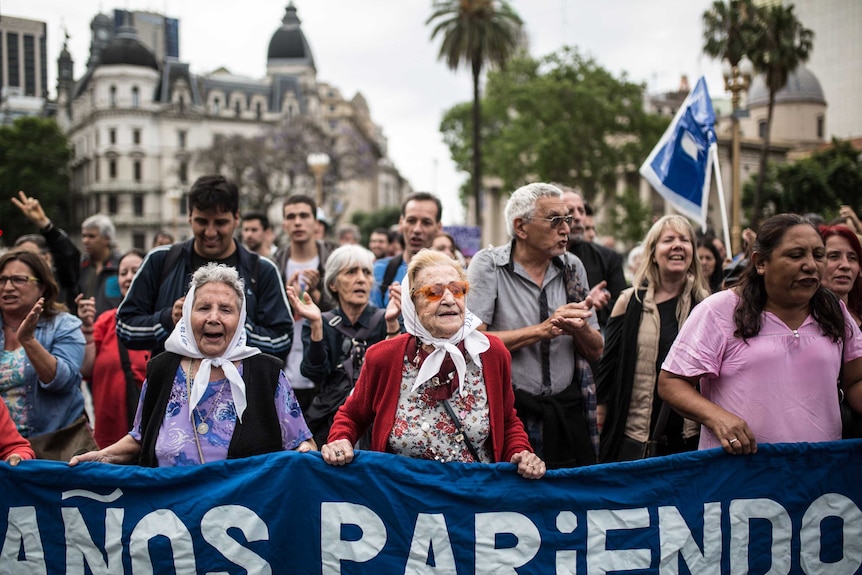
(504, 297)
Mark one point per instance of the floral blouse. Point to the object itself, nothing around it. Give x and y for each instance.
(423, 429)
(13, 387)
(176, 445)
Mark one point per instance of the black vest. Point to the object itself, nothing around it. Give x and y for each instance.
(259, 432)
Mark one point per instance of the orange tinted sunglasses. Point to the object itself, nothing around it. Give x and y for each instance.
(435, 292)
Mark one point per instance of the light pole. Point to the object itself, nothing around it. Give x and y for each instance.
(736, 80)
(318, 163)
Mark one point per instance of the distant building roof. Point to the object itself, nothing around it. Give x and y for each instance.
(802, 86)
(288, 42)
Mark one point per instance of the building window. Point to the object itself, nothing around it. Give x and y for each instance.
(138, 205)
(332, 108)
(139, 241)
(821, 129)
(761, 129)
(184, 205)
(136, 137)
(112, 136)
(137, 170)
(29, 65)
(112, 205)
(182, 103)
(236, 108)
(183, 173)
(136, 97)
(257, 111)
(112, 169)
(216, 106)
(113, 96)
(96, 165)
(181, 139)
(13, 66)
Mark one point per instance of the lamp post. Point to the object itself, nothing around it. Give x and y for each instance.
(318, 163)
(736, 80)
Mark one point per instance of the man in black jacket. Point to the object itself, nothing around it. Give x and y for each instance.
(604, 266)
(154, 302)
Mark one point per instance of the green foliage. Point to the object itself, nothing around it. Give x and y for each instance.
(632, 219)
(819, 184)
(34, 157)
(729, 30)
(563, 118)
(383, 218)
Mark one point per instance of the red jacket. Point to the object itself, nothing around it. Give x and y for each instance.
(375, 398)
(10, 440)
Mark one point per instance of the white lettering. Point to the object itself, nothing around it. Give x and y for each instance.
(430, 533)
(675, 539)
(490, 559)
(600, 559)
(22, 533)
(214, 526)
(162, 522)
(333, 549)
(831, 505)
(566, 560)
(742, 511)
(82, 550)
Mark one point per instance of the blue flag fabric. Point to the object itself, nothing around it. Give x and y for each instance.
(680, 165)
(787, 509)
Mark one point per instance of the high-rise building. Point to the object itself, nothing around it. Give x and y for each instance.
(23, 61)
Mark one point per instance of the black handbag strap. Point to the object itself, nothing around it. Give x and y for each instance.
(133, 393)
(460, 436)
(661, 422)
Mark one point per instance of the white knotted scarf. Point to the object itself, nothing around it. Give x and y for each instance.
(475, 342)
(182, 342)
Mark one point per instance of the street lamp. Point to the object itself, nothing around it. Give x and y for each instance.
(318, 163)
(736, 80)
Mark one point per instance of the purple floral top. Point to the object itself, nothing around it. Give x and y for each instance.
(176, 445)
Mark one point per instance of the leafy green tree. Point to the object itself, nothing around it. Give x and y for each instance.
(632, 219)
(382, 218)
(820, 183)
(563, 118)
(782, 45)
(34, 157)
(475, 32)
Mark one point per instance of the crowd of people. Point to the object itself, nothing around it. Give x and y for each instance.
(550, 351)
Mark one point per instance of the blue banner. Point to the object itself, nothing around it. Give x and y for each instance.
(787, 509)
(680, 165)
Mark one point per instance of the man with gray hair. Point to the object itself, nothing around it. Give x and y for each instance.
(533, 295)
(99, 266)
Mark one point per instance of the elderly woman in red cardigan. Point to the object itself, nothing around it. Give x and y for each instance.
(441, 391)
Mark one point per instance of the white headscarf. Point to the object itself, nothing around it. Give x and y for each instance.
(182, 342)
(475, 342)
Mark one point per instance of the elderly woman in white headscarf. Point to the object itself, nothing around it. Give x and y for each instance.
(209, 396)
(441, 391)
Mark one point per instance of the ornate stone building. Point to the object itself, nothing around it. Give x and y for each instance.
(140, 129)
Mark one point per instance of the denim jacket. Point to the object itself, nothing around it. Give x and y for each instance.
(56, 404)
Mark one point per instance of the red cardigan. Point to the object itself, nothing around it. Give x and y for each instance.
(375, 398)
(10, 440)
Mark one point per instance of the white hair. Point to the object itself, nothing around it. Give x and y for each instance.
(522, 202)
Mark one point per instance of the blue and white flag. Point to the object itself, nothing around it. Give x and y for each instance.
(680, 166)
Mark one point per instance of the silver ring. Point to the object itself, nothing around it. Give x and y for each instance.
(730, 441)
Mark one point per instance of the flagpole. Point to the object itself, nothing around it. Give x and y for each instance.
(721, 204)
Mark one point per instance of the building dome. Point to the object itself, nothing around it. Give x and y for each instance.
(289, 43)
(126, 49)
(802, 87)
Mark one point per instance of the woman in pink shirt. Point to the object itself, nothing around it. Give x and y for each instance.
(768, 352)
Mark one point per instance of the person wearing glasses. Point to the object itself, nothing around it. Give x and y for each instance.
(534, 295)
(441, 391)
(42, 348)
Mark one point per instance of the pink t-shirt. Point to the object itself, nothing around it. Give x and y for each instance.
(783, 383)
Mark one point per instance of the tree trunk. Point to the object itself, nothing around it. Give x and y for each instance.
(757, 205)
(477, 141)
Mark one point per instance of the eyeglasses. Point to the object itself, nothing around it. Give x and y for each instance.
(435, 292)
(556, 221)
(17, 281)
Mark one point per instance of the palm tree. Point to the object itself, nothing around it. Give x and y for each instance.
(475, 32)
(782, 45)
(728, 30)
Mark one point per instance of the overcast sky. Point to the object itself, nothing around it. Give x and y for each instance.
(382, 49)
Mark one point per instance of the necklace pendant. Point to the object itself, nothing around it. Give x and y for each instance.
(203, 428)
